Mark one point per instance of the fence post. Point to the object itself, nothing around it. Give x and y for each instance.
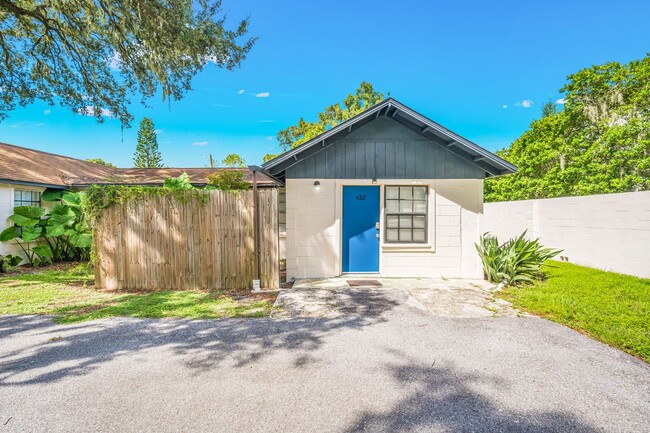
(256, 234)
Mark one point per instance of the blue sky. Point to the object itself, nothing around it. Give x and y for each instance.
(458, 63)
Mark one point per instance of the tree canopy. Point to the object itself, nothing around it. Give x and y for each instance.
(100, 162)
(92, 55)
(599, 143)
(364, 97)
(233, 160)
(146, 153)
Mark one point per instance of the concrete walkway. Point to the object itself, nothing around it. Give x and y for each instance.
(333, 297)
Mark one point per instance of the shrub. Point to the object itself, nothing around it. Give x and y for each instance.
(8, 262)
(180, 182)
(228, 180)
(514, 262)
(63, 234)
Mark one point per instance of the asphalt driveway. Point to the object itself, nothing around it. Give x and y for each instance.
(399, 368)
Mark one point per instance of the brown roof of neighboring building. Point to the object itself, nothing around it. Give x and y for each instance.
(23, 165)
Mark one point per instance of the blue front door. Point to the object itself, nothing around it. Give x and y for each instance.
(360, 233)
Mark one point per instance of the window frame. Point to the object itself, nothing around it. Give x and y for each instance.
(27, 202)
(398, 214)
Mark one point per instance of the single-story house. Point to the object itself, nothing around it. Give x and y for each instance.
(387, 192)
(26, 173)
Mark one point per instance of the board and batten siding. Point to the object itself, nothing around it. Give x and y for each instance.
(385, 149)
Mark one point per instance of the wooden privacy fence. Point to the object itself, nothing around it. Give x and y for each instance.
(162, 243)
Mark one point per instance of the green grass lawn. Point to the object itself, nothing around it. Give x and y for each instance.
(68, 293)
(610, 307)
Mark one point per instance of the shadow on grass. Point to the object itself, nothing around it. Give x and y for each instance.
(446, 399)
(206, 344)
(193, 305)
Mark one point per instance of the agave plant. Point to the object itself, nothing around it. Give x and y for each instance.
(517, 261)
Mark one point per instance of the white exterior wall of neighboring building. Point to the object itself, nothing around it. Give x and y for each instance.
(7, 209)
(313, 241)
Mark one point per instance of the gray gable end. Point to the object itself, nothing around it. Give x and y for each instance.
(385, 149)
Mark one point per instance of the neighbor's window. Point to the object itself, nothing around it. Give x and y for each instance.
(282, 210)
(26, 198)
(406, 214)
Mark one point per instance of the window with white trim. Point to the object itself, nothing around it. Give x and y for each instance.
(23, 197)
(405, 211)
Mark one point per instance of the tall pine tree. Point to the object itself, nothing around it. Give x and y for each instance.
(146, 153)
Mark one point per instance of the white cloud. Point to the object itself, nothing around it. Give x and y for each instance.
(89, 110)
(46, 112)
(200, 143)
(241, 91)
(561, 101)
(39, 124)
(504, 106)
(115, 62)
(267, 121)
(270, 138)
(158, 131)
(262, 95)
(526, 103)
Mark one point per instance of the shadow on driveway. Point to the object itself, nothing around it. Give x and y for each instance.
(443, 400)
(78, 349)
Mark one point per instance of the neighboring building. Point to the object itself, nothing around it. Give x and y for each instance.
(387, 192)
(26, 173)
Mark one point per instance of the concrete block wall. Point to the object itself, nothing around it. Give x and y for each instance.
(606, 231)
(314, 227)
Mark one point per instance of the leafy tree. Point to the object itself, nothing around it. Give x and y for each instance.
(268, 157)
(100, 162)
(549, 108)
(228, 180)
(146, 153)
(234, 160)
(364, 97)
(91, 55)
(599, 143)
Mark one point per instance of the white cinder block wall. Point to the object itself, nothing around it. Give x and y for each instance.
(607, 231)
(313, 242)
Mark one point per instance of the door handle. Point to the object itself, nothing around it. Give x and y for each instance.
(377, 225)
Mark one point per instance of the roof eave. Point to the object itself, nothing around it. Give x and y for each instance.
(37, 184)
(499, 166)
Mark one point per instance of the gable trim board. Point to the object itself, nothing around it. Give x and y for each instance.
(484, 160)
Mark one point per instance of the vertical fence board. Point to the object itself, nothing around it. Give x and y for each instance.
(162, 243)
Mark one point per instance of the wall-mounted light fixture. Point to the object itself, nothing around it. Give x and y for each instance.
(374, 181)
(317, 183)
